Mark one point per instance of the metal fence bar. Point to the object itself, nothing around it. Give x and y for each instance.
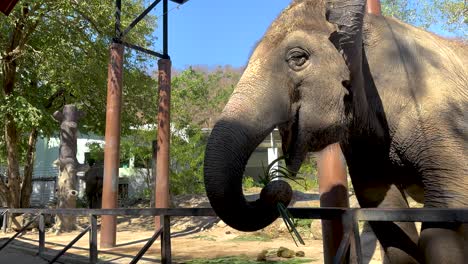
(19, 232)
(41, 228)
(93, 250)
(166, 257)
(352, 216)
(363, 214)
(146, 246)
(5, 221)
(67, 247)
(122, 211)
(459, 215)
(343, 249)
(357, 239)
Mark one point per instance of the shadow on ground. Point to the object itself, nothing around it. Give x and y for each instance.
(25, 251)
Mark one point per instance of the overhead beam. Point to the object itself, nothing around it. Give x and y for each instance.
(140, 17)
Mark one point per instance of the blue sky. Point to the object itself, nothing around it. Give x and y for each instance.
(216, 32)
(220, 32)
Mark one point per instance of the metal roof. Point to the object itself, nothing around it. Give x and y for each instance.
(179, 1)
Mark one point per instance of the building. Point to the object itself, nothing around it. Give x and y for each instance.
(132, 180)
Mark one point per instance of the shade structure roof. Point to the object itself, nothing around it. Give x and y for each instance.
(179, 1)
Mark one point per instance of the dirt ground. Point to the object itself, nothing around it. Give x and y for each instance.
(192, 238)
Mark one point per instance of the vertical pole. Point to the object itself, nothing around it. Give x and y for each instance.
(93, 251)
(166, 257)
(273, 154)
(373, 7)
(153, 172)
(118, 10)
(333, 188)
(165, 27)
(41, 235)
(5, 222)
(112, 144)
(162, 162)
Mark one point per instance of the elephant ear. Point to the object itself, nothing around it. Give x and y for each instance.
(348, 16)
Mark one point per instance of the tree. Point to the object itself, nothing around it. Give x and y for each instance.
(54, 53)
(450, 15)
(197, 96)
(138, 147)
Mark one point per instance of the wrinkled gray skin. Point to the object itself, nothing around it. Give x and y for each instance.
(398, 109)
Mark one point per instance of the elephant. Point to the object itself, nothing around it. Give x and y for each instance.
(392, 95)
(93, 179)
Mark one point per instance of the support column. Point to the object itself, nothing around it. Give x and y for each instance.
(273, 154)
(373, 7)
(333, 188)
(163, 147)
(112, 144)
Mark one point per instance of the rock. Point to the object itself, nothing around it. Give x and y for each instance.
(221, 224)
(285, 253)
(228, 232)
(300, 254)
(262, 255)
(316, 230)
(280, 250)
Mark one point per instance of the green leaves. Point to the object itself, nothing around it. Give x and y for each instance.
(450, 15)
(23, 112)
(60, 50)
(276, 171)
(197, 96)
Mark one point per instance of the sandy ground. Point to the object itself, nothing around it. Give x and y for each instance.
(192, 238)
(212, 243)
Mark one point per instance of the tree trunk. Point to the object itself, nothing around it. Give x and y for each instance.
(11, 138)
(69, 166)
(26, 187)
(9, 67)
(66, 195)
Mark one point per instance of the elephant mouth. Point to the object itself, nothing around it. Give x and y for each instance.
(292, 143)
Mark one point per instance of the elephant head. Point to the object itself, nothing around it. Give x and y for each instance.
(296, 80)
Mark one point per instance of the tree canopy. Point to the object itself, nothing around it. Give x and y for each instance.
(55, 52)
(448, 15)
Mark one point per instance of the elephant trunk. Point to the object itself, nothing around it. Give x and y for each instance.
(233, 139)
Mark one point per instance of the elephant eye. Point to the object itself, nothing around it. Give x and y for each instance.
(297, 59)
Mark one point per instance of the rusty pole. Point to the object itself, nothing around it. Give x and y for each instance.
(162, 161)
(373, 7)
(333, 189)
(112, 145)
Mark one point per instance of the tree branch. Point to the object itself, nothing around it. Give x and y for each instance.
(59, 93)
(93, 23)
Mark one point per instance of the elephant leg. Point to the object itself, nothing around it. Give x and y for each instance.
(368, 243)
(443, 242)
(399, 240)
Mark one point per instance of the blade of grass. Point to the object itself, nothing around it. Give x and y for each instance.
(289, 221)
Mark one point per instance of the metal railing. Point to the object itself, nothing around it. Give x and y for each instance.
(349, 217)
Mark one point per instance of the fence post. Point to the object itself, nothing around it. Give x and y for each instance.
(93, 251)
(41, 235)
(333, 188)
(5, 222)
(166, 257)
(163, 143)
